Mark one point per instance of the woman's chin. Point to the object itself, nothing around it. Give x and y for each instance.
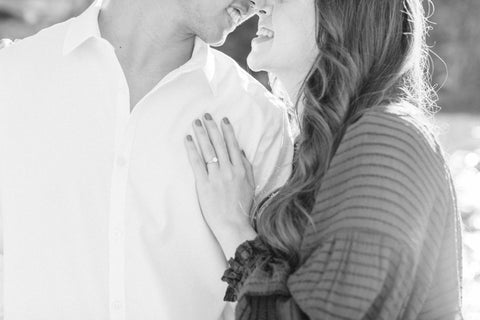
(260, 58)
(259, 61)
(254, 64)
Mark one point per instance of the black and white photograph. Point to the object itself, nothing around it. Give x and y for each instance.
(239, 160)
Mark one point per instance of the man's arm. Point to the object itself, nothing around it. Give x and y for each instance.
(272, 160)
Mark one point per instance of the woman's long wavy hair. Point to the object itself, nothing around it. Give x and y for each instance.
(372, 53)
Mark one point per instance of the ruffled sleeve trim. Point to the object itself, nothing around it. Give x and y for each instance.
(257, 270)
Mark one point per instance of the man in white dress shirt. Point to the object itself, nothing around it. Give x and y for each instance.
(99, 215)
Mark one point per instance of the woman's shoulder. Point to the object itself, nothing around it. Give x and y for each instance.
(388, 175)
(396, 137)
(400, 127)
(403, 118)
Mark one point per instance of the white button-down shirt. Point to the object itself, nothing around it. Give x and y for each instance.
(99, 214)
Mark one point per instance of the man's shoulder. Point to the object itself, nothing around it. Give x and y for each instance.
(232, 78)
(47, 42)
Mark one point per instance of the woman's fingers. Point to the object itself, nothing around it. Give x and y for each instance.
(221, 147)
(196, 160)
(248, 169)
(217, 140)
(207, 150)
(232, 142)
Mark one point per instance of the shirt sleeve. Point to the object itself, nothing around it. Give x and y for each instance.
(273, 157)
(353, 275)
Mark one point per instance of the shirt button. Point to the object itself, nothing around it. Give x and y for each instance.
(121, 161)
(117, 305)
(117, 234)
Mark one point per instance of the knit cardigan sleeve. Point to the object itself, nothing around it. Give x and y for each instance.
(352, 275)
(376, 243)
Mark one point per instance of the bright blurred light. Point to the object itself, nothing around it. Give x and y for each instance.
(472, 159)
(476, 132)
(475, 223)
(464, 165)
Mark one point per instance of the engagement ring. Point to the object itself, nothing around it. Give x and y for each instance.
(214, 160)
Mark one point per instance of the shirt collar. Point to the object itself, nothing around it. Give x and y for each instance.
(85, 26)
(203, 58)
(82, 28)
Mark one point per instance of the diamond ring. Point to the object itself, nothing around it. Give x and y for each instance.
(214, 160)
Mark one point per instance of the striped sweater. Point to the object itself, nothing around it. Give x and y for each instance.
(386, 240)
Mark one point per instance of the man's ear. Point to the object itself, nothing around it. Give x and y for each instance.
(5, 43)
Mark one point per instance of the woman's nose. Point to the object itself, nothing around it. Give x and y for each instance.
(244, 6)
(261, 7)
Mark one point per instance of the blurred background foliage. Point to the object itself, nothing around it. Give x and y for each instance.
(455, 42)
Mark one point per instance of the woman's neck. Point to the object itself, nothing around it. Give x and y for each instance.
(291, 82)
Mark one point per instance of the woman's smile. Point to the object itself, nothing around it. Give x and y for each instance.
(263, 34)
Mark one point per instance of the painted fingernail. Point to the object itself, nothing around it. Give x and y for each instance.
(189, 138)
(243, 153)
(198, 123)
(226, 121)
(208, 116)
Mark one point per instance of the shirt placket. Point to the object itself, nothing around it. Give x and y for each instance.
(124, 135)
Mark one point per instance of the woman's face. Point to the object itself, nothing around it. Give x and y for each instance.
(286, 37)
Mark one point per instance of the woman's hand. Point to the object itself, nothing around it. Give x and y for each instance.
(224, 181)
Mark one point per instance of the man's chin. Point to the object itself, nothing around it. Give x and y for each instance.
(218, 38)
(218, 42)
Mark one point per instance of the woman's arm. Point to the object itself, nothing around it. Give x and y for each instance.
(224, 181)
(381, 239)
(380, 218)
(352, 275)
(328, 284)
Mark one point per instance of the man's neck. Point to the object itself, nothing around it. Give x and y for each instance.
(145, 42)
(148, 41)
